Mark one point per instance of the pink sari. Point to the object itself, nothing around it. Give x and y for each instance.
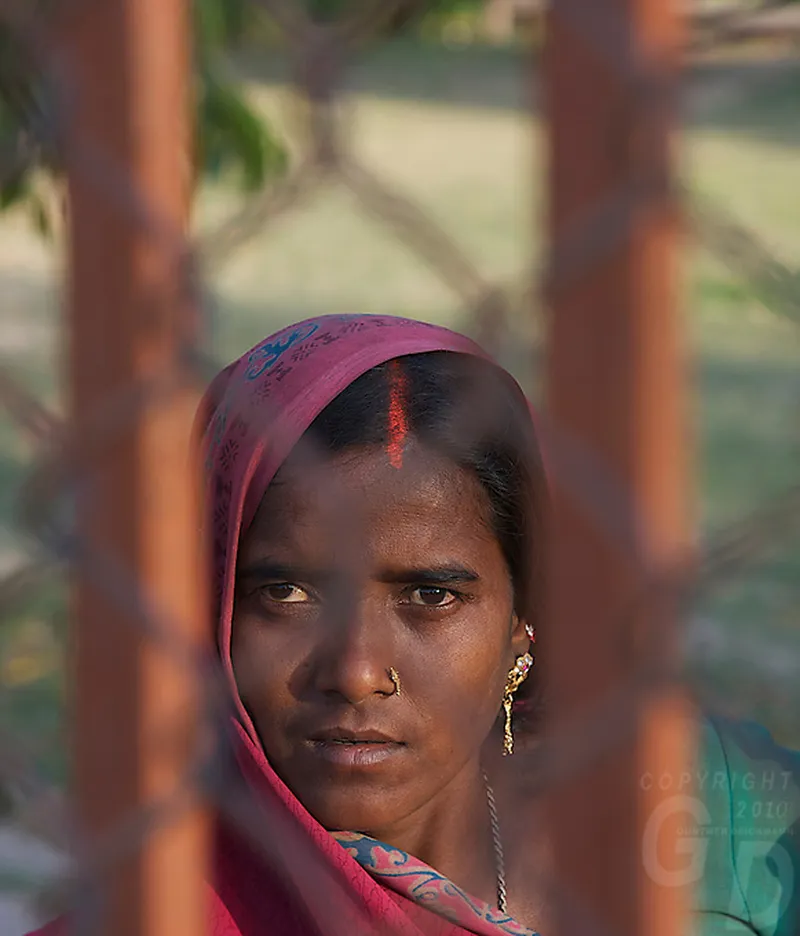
(275, 869)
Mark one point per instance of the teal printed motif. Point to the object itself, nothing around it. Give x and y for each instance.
(411, 877)
(265, 355)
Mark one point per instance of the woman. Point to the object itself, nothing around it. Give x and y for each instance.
(376, 497)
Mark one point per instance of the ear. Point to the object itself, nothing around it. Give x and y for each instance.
(520, 641)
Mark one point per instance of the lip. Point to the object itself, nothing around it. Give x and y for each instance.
(346, 748)
(338, 733)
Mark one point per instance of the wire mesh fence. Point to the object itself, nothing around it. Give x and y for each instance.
(51, 461)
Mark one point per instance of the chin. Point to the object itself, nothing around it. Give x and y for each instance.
(355, 790)
(351, 811)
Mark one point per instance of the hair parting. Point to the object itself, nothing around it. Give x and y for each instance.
(398, 414)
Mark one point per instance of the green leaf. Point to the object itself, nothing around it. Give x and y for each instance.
(221, 22)
(233, 137)
(209, 23)
(15, 190)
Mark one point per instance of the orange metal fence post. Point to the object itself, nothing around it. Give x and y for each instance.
(135, 705)
(615, 389)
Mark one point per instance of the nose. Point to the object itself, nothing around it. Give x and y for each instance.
(352, 662)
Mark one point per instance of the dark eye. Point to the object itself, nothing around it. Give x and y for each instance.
(431, 596)
(286, 593)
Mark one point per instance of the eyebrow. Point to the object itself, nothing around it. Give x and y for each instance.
(281, 571)
(434, 575)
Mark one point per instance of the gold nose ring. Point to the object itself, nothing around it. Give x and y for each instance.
(395, 678)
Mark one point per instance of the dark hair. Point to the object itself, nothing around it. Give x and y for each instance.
(471, 411)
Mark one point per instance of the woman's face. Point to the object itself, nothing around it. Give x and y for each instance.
(346, 571)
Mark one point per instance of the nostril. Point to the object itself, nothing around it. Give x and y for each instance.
(352, 678)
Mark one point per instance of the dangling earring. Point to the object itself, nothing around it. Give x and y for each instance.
(516, 677)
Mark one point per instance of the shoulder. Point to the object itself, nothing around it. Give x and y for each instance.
(748, 787)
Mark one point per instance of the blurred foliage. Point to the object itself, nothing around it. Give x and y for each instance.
(231, 138)
(23, 112)
(410, 13)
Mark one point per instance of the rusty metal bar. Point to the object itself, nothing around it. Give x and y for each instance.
(136, 707)
(615, 386)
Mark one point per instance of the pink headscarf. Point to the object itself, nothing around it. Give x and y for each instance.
(254, 413)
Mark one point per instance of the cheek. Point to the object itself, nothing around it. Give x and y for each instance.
(459, 676)
(261, 670)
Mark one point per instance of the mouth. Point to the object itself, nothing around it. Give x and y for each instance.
(354, 748)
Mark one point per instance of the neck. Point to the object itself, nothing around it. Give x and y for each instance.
(452, 834)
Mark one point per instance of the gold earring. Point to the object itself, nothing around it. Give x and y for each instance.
(516, 677)
(395, 678)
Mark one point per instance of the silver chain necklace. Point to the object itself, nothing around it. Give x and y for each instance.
(499, 856)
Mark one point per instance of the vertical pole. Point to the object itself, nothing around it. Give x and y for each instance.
(615, 387)
(136, 707)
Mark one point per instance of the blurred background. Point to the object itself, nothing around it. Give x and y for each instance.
(441, 104)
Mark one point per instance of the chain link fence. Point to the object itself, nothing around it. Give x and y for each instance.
(729, 665)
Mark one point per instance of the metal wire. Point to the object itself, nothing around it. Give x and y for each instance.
(61, 457)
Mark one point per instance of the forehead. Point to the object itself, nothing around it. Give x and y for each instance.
(359, 498)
